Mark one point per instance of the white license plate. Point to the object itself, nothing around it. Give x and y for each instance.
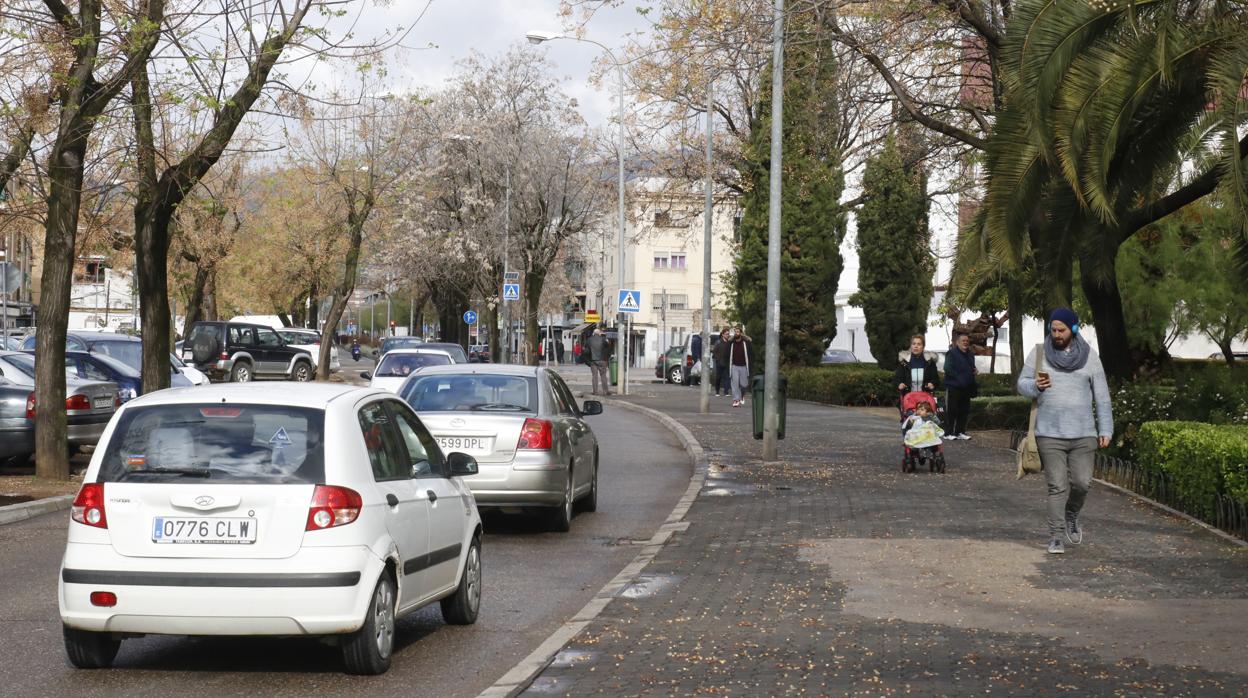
(466, 444)
(102, 402)
(187, 355)
(237, 531)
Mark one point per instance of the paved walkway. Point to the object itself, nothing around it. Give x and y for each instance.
(833, 573)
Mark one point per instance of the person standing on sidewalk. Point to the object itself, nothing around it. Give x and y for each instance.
(915, 371)
(1074, 418)
(739, 365)
(599, 354)
(961, 386)
(720, 355)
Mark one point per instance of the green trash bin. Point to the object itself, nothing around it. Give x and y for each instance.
(757, 396)
(614, 366)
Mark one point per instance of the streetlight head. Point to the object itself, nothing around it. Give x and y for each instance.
(537, 36)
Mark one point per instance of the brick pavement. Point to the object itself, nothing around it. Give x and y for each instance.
(835, 574)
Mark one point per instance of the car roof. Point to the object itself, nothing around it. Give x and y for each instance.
(101, 336)
(481, 370)
(313, 395)
(418, 350)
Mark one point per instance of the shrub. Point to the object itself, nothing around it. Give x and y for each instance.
(843, 384)
(1204, 460)
(1007, 412)
(1134, 404)
(995, 384)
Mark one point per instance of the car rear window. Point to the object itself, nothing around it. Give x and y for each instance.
(22, 362)
(129, 353)
(398, 365)
(392, 343)
(270, 444)
(471, 392)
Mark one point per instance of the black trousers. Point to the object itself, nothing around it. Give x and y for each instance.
(958, 410)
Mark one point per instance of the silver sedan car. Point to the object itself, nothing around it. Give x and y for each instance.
(524, 428)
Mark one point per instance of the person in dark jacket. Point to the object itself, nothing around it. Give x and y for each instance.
(915, 371)
(719, 353)
(960, 383)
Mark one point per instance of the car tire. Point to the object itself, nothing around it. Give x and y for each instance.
(302, 372)
(203, 349)
(367, 651)
(241, 372)
(590, 501)
(89, 650)
(559, 519)
(461, 607)
(675, 375)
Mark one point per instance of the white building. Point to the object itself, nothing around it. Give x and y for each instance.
(101, 298)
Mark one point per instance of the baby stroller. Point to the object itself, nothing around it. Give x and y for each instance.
(924, 446)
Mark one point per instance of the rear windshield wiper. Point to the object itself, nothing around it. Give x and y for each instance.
(499, 406)
(184, 472)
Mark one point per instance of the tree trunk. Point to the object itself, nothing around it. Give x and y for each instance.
(1103, 296)
(534, 281)
(151, 234)
(199, 293)
(65, 173)
(1014, 299)
(355, 226)
(487, 329)
(1228, 354)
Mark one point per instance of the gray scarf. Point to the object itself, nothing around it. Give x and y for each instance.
(1067, 361)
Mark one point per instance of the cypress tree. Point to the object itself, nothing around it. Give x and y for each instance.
(812, 222)
(895, 263)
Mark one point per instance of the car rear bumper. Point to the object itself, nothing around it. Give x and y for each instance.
(86, 430)
(518, 487)
(17, 441)
(318, 591)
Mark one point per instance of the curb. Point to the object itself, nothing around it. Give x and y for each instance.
(522, 674)
(29, 510)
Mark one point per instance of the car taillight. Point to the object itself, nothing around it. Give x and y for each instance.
(105, 599)
(88, 507)
(536, 434)
(30, 406)
(77, 402)
(332, 506)
(224, 356)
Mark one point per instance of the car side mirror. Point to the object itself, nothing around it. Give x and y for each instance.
(462, 463)
(591, 407)
(366, 375)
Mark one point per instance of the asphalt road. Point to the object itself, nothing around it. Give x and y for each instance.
(533, 582)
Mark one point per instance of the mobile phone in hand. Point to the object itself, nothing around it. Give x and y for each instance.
(1042, 374)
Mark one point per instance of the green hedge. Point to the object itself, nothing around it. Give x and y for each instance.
(1007, 412)
(995, 384)
(1203, 460)
(855, 385)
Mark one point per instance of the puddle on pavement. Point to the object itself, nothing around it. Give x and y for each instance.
(550, 684)
(647, 585)
(727, 489)
(570, 658)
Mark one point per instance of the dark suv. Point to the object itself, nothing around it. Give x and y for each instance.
(240, 352)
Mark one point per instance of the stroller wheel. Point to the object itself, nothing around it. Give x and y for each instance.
(905, 464)
(940, 463)
(931, 463)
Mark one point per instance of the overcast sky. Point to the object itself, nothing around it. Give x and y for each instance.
(455, 28)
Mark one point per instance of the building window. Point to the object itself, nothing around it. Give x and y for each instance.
(91, 272)
(736, 228)
(677, 301)
(660, 260)
(665, 219)
(678, 261)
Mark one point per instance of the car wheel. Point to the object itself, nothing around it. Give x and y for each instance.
(89, 650)
(302, 372)
(241, 373)
(675, 375)
(561, 516)
(461, 607)
(590, 501)
(367, 650)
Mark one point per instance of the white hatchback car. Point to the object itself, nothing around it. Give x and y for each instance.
(241, 509)
(398, 364)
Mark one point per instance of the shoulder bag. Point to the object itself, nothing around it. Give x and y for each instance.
(1028, 452)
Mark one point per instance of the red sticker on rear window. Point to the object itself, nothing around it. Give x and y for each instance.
(136, 460)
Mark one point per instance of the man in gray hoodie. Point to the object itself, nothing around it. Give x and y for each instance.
(1074, 419)
(599, 353)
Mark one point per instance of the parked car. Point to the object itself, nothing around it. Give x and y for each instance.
(838, 356)
(398, 364)
(239, 352)
(310, 341)
(479, 353)
(101, 367)
(322, 510)
(670, 366)
(693, 357)
(523, 426)
(125, 348)
(396, 343)
(17, 429)
(194, 375)
(89, 404)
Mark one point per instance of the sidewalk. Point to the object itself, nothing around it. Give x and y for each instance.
(835, 574)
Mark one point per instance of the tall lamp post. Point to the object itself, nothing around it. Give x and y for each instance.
(536, 37)
(771, 370)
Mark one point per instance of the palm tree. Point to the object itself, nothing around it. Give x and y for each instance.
(1106, 100)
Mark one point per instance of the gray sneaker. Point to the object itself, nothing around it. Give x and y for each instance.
(1056, 547)
(1074, 532)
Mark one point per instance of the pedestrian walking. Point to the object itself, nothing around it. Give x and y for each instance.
(720, 355)
(960, 386)
(576, 352)
(738, 364)
(599, 353)
(915, 370)
(1074, 417)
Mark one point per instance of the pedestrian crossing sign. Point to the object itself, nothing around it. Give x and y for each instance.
(630, 301)
(511, 292)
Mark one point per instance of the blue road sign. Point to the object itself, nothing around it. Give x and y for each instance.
(630, 301)
(470, 317)
(511, 292)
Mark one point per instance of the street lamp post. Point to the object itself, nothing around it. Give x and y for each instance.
(704, 401)
(771, 366)
(537, 37)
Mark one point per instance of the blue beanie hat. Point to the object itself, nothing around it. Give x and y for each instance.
(1066, 316)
